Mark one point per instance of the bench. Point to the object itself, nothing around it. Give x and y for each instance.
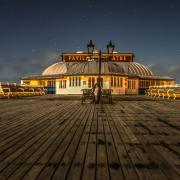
(1, 92)
(6, 92)
(87, 94)
(148, 92)
(174, 93)
(177, 94)
(170, 92)
(154, 92)
(162, 92)
(13, 91)
(107, 93)
(165, 93)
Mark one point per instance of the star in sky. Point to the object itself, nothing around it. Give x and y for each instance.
(108, 14)
(34, 51)
(91, 4)
(84, 16)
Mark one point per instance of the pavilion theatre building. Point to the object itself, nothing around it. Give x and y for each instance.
(76, 71)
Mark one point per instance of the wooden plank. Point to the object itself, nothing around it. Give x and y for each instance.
(76, 168)
(156, 158)
(90, 166)
(115, 166)
(137, 156)
(48, 172)
(102, 159)
(130, 139)
(40, 159)
(59, 127)
(66, 162)
(25, 123)
(125, 161)
(54, 156)
(25, 148)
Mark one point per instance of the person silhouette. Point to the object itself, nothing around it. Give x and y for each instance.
(96, 91)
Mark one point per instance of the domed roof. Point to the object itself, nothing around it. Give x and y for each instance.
(137, 69)
(142, 70)
(92, 68)
(57, 68)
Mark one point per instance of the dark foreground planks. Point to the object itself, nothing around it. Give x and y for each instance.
(54, 138)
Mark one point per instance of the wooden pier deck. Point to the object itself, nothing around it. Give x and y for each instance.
(58, 138)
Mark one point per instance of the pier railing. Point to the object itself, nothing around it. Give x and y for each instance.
(166, 91)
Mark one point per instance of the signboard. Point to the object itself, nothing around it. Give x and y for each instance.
(72, 58)
(104, 57)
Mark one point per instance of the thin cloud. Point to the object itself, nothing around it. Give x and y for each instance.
(25, 66)
(165, 70)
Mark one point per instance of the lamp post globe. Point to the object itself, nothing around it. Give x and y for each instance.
(90, 47)
(110, 47)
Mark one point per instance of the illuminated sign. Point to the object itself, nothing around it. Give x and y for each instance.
(104, 57)
(122, 58)
(71, 58)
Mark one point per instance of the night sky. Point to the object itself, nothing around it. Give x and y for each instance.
(34, 32)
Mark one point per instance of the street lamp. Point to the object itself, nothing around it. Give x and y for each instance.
(110, 47)
(99, 80)
(90, 47)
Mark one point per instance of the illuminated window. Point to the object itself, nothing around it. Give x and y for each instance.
(114, 81)
(133, 85)
(79, 81)
(51, 83)
(118, 83)
(89, 82)
(128, 84)
(62, 84)
(121, 82)
(93, 82)
(84, 83)
(70, 81)
(73, 81)
(26, 82)
(76, 81)
(111, 81)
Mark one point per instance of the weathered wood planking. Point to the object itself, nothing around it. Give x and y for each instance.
(54, 138)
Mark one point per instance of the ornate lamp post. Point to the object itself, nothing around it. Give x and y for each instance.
(99, 80)
(90, 47)
(110, 47)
